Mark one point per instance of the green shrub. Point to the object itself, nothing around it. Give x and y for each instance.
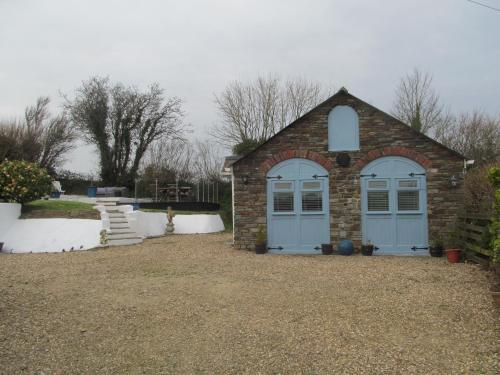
(260, 236)
(494, 176)
(21, 181)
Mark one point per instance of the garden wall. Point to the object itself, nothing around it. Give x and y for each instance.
(152, 224)
(51, 235)
(9, 213)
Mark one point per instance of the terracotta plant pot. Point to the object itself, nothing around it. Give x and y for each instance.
(326, 249)
(261, 248)
(453, 255)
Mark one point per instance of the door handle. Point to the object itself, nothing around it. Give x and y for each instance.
(414, 248)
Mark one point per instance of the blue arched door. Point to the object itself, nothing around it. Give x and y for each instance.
(297, 207)
(394, 206)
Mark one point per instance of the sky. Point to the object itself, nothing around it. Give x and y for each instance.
(195, 48)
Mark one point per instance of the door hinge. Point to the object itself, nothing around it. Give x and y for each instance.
(415, 174)
(316, 176)
(415, 248)
(274, 177)
(373, 175)
(275, 248)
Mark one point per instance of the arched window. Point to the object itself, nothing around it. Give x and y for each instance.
(343, 129)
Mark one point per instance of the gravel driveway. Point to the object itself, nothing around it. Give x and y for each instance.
(192, 304)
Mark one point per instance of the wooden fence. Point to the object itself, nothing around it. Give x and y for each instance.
(474, 235)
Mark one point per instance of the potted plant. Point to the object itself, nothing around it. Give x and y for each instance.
(495, 293)
(367, 249)
(326, 248)
(436, 246)
(260, 240)
(345, 247)
(452, 247)
(170, 221)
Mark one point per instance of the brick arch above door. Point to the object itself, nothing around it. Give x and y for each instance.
(393, 151)
(270, 162)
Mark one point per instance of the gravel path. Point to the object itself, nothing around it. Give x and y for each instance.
(192, 304)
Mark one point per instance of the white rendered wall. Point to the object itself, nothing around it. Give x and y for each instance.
(152, 224)
(147, 224)
(186, 224)
(9, 213)
(51, 235)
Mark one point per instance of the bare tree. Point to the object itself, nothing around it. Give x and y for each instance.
(417, 103)
(123, 122)
(254, 112)
(208, 161)
(479, 194)
(39, 137)
(475, 135)
(170, 160)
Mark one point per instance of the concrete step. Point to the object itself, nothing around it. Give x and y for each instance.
(126, 241)
(108, 199)
(118, 226)
(120, 230)
(120, 236)
(116, 214)
(118, 220)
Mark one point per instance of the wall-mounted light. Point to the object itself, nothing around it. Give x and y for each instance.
(244, 179)
(453, 181)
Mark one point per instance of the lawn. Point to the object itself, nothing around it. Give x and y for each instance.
(192, 304)
(44, 209)
(56, 205)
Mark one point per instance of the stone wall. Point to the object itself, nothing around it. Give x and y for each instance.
(380, 135)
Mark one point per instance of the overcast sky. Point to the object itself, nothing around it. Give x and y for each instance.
(195, 48)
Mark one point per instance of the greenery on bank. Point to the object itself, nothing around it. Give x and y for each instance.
(56, 205)
(22, 181)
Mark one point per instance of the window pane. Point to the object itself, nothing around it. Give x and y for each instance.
(377, 184)
(408, 183)
(283, 185)
(408, 201)
(378, 201)
(343, 132)
(283, 201)
(311, 185)
(312, 201)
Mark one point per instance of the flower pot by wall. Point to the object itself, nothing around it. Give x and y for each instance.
(453, 255)
(345, 247)
(496, 298)
(261, 248)
(326, 249)
(367, 250)
(436, 251)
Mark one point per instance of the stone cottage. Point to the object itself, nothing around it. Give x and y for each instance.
(346, 170)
